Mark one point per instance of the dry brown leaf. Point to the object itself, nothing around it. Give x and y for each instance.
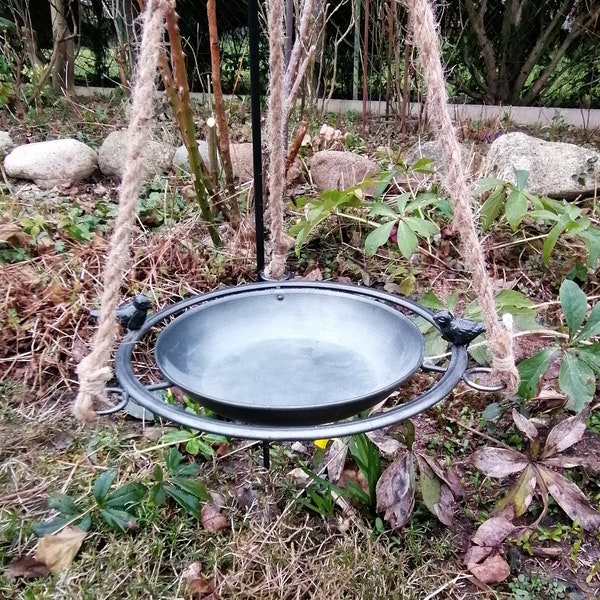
(493, 532)
(568, 462)
(199, 587)
(396, 491)
(27, 567)
(355, 476)
(519, 497)
(212, 520)
(525, 425)
(11, 233)
(335, 459)
(570, 498)
(476, 554)
(564, 435)
(435, 493)
(385, 444)
(58, 550)
(493, 569)
(499, 462)
(448, 476)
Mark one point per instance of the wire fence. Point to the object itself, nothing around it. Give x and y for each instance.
(495, 52)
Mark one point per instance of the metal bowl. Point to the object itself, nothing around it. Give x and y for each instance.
(285, 356)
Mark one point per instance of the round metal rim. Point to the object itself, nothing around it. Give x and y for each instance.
(139, 393)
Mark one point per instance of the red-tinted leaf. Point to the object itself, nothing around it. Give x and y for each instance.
(564, 435)
(499, 462)
(493, 569)
(571, 499)
(396, 491)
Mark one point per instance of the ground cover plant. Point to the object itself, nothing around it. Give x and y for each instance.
(482, 496)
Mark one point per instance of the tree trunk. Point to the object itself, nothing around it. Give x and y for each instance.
(63, 36)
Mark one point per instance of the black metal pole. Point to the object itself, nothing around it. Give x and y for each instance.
(253, 39)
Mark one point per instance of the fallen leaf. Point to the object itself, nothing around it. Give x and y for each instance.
(564, 435)
(499, 462)
(27, 567)
(299, 477)
(493, 569)
(396, 491)
(435, 493)
(570, 498)
(568, 462)
(448, 476)
(314, 275)
(212, 520)
(476, 554)
(355, 476)
(58, 550)
(385, 444)
(199, 587)
(525, 425)
(335, 459)
(11, 233)
(493, 532)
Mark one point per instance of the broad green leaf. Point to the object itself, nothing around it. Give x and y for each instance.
(402, 200)
(383, 210)
(493, 411)
(421, 227)
(172, 458)
(378, 237)
(118, 519)
(489, 183)
(423, 165)
(431, 492)
(544, 215)
(48, 527)
(521, 176)
(125, 495)
(592, 327)
(491, 208)
(591, 239)
(195, 488)
(591, 356)
(576, 379)
(197, 446)
(102, 485)
(407, 240)
(574, 305)
(64, 504)
(516, 207)
(179, 436)
(551, 239)
(156, 494)
(531, 369)
(187, 501)
(430, 300)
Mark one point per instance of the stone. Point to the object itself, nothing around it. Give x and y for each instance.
(431, 149)
(339, 170)
(51, 163)
(556, 169)
(242, 161)
(180, 158)
(6, 144)
(112, 153)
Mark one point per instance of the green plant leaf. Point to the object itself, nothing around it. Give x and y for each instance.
(47, 527)
(102, 485)
(521, 175)
(591, 356)
(422, 227)
(378, 237)
(187, 501)
(64, 504)
(195, 488)
(407, 240)
(531, 369)
(379, 209)
(491, 208)
(156, 494)
(516, 207)
(172, 458)
(489, 183)
(592, 327)
(574, 305)
(179, 436)
(118, 519)
(125, 495)
(423, 165)
(576, 379)
(552, 238)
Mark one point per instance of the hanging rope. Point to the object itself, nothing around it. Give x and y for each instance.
(499, 340)
(94, 371)
(276, 120)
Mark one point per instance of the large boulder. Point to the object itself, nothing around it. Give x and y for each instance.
(242, 161)
(338, 170)
(181, 159)
(55, 162)
(431, 149)
(556, 169)
(6, 144)
(113, 151)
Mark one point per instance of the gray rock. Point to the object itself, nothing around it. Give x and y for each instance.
(242, 161)
(180, 158)
(6, 144)
(431, 149)
(556, 169)
(112, 154)
(55, 162)
(338, 170)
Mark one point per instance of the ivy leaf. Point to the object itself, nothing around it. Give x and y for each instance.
(531, 369)
(592, 327)
(576, 379)
(102, 485)
(378, 237)
(574, 305)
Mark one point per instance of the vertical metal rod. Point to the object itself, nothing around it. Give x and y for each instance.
(253, 39)
(266, 454)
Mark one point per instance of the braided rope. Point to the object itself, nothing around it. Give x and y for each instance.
(94, 370)
(281, 241)
(499, 339)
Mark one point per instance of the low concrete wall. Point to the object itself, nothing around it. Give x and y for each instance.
(520, 115)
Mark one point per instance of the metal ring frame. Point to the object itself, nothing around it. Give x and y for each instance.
(140, 394)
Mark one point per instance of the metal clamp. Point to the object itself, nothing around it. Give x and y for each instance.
(498, 387)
